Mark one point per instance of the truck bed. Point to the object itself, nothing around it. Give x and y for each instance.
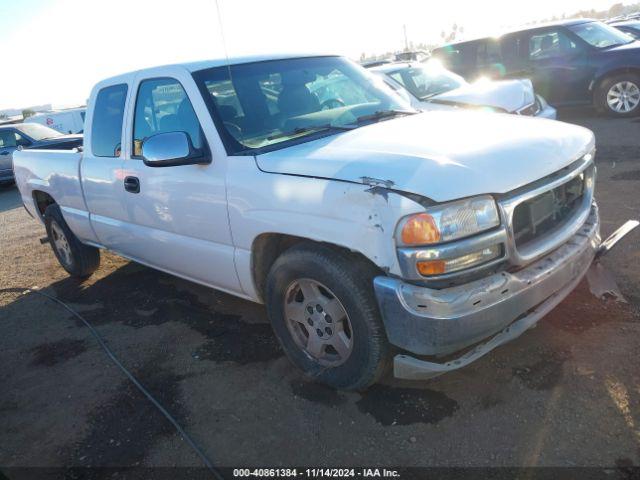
(52, 172)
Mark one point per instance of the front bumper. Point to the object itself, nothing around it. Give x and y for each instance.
(426, 321)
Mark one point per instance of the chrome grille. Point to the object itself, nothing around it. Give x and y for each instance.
(540, 215)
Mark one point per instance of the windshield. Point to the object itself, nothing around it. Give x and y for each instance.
(37, 131)
(632, 29)
(426, 81)
(267, 104)
(600, 35)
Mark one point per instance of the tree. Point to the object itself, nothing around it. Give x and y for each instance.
(455, 34)
(616, 9)
(27, 112)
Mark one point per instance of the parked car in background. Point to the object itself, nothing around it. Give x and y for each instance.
(375, 63)
(64, 121)
(630, 27)
(411, 56)
(571, 62)
(372, 233)
(30, 135)
(429, 86)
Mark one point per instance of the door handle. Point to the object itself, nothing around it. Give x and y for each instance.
(4, 153)
(132, 184)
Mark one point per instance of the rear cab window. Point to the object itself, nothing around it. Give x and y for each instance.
(106, 128)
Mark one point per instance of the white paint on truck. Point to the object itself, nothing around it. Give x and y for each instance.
(310, 149)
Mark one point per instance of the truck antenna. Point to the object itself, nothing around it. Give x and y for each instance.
(224, 42)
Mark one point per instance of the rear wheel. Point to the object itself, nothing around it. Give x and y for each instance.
(324, 312)
(78, 259)
(619, 96)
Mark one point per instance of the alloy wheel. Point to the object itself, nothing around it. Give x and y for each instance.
(318, 322)
(61, 244)
(623, 97)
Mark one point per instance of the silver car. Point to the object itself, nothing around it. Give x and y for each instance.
(429, 86)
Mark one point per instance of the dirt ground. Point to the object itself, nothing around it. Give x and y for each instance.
(566, 393)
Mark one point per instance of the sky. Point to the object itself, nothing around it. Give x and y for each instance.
(55, 50)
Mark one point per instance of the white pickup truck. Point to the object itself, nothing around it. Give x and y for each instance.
(374, 235)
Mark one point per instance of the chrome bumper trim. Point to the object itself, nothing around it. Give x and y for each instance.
(426, 321)
(411, 368)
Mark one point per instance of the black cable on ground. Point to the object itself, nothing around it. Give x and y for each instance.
(129, 375)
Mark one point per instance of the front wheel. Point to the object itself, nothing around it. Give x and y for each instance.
(619, 96)
(324, 312)
(77, 259)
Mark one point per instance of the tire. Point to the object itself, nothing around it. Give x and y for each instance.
(605, 99)
(77, 259)
(337, 276)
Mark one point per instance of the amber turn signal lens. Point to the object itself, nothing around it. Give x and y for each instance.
(432, 267)
(420, 229)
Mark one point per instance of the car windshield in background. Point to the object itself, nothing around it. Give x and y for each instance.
(426, 81)
(631, 29)
(37, 131)
(264, 105)
(600, 35)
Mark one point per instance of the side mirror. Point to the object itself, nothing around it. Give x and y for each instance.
(171, 149)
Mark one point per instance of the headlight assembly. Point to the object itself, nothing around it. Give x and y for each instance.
(449, 221)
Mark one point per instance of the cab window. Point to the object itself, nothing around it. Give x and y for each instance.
(7, 139)
(162, 106)
(550, 44)
(12, 139)
(106, 128)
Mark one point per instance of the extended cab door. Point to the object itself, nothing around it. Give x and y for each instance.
(101, 169)
(177, 215)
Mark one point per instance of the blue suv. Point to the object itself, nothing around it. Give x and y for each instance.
(572, 62)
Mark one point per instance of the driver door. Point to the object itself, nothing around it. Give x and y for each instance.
(559, 66)
(177, 214)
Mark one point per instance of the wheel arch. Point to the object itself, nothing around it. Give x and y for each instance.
(604, 76)
(42, 200)
(267, 247)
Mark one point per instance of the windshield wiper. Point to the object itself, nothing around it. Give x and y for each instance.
(305, 130)
(380, 114)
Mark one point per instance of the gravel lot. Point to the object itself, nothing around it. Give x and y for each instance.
(566, 393)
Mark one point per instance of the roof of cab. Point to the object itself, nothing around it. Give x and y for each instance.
(216, 62)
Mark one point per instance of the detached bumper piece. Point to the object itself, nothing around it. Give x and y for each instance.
(502, 306)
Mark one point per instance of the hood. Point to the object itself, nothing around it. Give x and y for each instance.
(627, 48)
(509, 95)
(438, 154)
